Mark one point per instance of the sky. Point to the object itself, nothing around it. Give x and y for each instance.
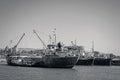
(81, 20)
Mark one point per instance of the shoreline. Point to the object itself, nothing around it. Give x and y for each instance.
(3, 61)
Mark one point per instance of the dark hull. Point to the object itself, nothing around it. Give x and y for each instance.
(27, 61)
(46, 61)
(85, 61)
(94, 61)
(102, 62)
(60, 62)
(115, 62)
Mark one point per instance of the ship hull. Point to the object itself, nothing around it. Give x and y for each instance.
(115, 62)
(23, 61)
(102, 62)
(59, 62)
(46, 61)
(94, 61)
(85, 61)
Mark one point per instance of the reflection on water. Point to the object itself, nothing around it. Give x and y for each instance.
(77, 73)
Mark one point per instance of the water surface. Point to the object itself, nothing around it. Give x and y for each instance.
(77, 73)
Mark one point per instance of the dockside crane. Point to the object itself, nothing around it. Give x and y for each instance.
(40, 38)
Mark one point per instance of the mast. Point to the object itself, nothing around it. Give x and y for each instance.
(54, 34)
(50, 39)
(92, 46)
(75, 42)
(40, 39)
(93, 52)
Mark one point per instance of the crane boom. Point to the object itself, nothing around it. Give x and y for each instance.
(40, 39)
(19, 40)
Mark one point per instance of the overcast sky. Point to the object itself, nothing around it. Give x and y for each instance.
(83, 20)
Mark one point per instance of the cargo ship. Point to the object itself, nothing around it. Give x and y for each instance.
(55, 56)
(93, 58)
(48, 60)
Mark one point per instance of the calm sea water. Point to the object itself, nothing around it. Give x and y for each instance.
(77, 73)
